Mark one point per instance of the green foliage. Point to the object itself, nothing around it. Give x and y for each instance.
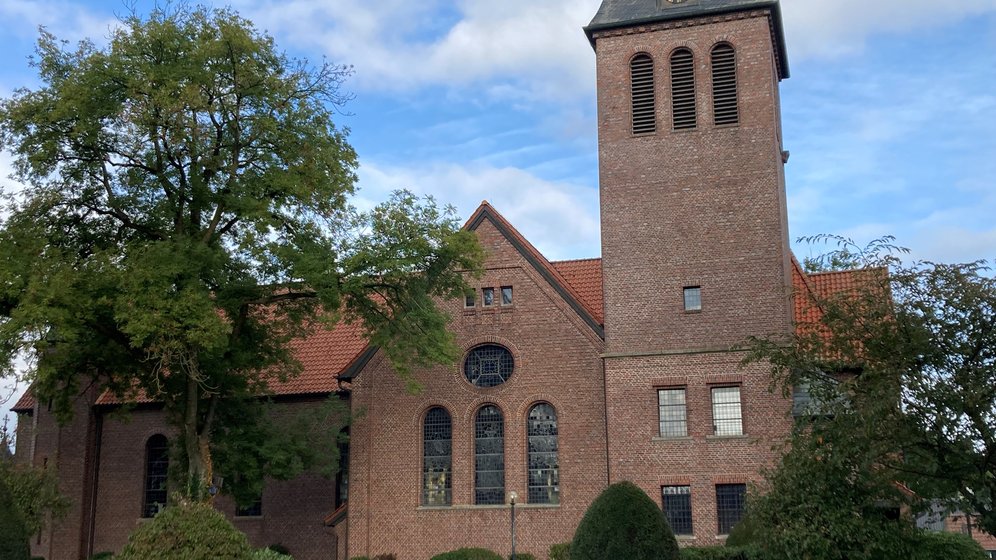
(190, 531)
(903, 369)
(277, 547)
(720, 553)
(560, 551)
(102, 556)
(743, 533)
(187, 211)
(35, 494)
(943, 546)
(13, 532)
(522, 556)
(468, 554)
(268, 554)
(624, 523)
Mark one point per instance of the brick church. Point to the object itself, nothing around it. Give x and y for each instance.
(575, 374)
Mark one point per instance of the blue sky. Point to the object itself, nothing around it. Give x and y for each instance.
(890, 113)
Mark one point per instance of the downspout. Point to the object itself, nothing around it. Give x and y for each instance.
(92, 529)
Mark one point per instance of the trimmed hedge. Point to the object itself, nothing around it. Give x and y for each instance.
(720, 553)
(187, 532)
(560, 551)
(623, 523)
(522, 556)
(947, 546)
(468, 554)
(268, 554)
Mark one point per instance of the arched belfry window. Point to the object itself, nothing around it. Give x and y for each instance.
(724, 84)
(156, 475)
(544, 468)
(683, 114)
(489, 456)
(437, 458)
(642, 94)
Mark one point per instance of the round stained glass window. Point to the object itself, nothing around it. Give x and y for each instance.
(488, 366)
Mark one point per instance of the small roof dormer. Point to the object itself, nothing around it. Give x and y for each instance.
(617, 14)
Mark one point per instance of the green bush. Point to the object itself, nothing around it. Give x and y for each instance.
(522, 556)
(13, 533)
(624, 524)
(719, 553)
(945, 546)
(743, 533)
(560, 551)
(385, 557)
(102, 556)
(277, 547)
(468, 554)
(187, 532)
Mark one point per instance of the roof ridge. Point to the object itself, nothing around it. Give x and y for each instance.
(587, 259)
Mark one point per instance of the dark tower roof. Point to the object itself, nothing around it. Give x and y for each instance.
(615, 14)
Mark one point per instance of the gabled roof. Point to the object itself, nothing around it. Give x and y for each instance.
(583, 308)
(617, 14)
(585, 277)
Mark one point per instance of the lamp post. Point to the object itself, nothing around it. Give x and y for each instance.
(511, 500)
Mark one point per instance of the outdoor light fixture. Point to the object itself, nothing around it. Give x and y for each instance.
(512, 496)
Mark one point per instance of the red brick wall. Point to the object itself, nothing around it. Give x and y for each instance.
(704, 207)
(556, 361)
(958, 524)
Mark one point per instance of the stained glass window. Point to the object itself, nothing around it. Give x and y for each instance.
(156, 475)
(544, 469)
(488, 366)
(437, 458)
(489, 457)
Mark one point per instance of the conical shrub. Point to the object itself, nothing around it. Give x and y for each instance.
(624, 524)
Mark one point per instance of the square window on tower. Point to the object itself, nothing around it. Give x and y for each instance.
(693, 298)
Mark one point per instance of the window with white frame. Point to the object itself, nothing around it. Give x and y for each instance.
(672, 412)
(727, 418)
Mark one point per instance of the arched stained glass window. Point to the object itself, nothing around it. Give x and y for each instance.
(544, 468)
(724, 84)
(156, 475)
(489, 457)
(437, 458)
(488, 365)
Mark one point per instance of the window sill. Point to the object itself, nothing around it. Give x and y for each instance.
(720, 438)
(685, 538)
(459, 507)
(692, 311)
(665, 439)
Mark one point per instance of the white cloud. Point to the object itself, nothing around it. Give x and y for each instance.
(836, 27)
(67, 20)
(559, 218)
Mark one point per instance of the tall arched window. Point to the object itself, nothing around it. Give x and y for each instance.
(724, 84)
(642, 94)
(544, 469)
(683, 114)
(156, 474)
(489, 457)
(437, 458)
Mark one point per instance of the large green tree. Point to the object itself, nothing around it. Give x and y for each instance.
(902, 373)
(185, 214)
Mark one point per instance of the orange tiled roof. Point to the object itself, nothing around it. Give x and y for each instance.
(812, 287)
(25, 403)
(585, 277)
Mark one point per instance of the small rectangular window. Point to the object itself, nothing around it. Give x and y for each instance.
(727, 419)
(254, 509)
(730, 500)
(673, 412)
(677, 502)
(489, 297)
(470, 300)
(693, 298)
(506, 295)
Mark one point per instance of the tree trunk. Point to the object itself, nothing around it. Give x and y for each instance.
(197, 443)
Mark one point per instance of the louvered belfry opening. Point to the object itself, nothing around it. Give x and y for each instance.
(683, 90)
(724, 84)
(642, 90)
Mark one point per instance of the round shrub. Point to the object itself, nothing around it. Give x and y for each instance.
(942, 546)
(624, 524)
(13, 534)
(560, 551)
(468, 554)
(522, 556)
(268, 554)
(187, 532)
